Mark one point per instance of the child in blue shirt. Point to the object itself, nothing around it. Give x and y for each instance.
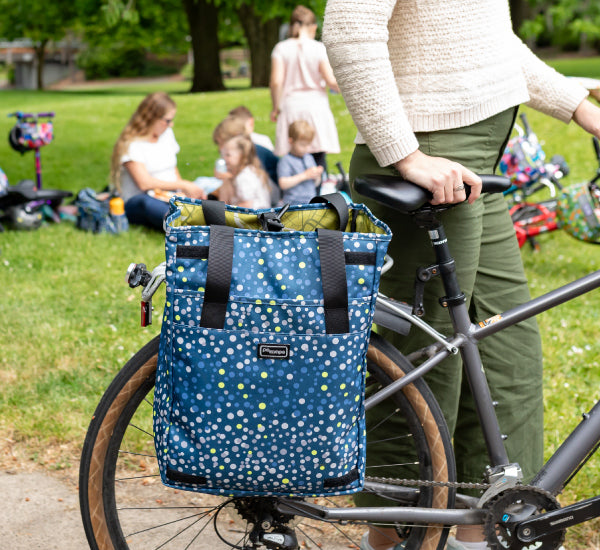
(297, 172)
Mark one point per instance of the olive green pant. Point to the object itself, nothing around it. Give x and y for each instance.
(490, 272)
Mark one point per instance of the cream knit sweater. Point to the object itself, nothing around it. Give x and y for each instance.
(408, 66)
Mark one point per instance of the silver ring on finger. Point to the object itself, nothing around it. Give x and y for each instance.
(459, 187)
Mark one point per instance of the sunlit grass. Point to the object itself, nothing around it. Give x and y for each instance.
(69, 321)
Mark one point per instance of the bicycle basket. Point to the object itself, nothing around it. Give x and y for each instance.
(523, 160)
(27, 135)
(578, 212)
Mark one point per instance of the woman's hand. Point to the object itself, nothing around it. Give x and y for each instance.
(445, 179)
(587, 115)
(192, 190)
(274, 114)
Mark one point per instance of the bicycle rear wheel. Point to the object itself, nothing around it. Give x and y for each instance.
(124, 505)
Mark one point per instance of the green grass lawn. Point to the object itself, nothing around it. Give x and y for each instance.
(69, 321)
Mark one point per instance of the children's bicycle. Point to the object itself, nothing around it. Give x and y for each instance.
(531, 218)
(524, 162)
(26, 204)
(123, 504)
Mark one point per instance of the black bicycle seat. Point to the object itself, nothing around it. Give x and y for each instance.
(407, 197)
(25, 191)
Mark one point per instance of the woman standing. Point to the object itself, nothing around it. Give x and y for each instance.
(300, 75)
(433, 88)
(144, 162)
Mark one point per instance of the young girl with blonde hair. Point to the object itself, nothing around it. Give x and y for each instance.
(248, 185)
(144, 162)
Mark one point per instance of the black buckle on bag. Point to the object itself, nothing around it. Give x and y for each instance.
(271, 221)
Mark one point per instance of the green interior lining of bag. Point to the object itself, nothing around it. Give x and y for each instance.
(296, 220)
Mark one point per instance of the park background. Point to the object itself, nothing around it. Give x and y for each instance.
(68, 321)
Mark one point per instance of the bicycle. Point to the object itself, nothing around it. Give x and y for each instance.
(26, 204)
(524, 162)
(121, 508)
(531, 219)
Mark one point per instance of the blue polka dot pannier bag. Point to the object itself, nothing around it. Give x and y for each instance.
(262, 359)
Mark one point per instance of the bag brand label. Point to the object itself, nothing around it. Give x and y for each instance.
(273, 351)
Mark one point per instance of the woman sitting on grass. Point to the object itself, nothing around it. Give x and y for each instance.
(144, 162)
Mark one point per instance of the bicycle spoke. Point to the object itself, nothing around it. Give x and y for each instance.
(121, 451)
(202, 515)
(142, 430)
(306, 535)
(390, 465)
(390, 439)
(125, 508)
(183, 531)
(136, 477)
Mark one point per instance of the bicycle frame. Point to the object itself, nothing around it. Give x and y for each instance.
(557, 470)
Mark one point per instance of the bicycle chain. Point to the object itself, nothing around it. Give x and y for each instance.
(426, 483)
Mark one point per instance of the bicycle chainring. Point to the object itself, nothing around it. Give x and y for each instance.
(513, 506)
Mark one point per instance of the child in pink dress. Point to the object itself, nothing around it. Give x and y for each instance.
(300, 75)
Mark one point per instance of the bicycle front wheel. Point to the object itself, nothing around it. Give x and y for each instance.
(124, 505)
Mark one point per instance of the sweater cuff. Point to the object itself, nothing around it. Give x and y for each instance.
(390, 154)
(564, 110)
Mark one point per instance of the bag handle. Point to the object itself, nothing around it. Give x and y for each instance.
(333, 279)
(218, 276)
(338, 203)
(214, 212)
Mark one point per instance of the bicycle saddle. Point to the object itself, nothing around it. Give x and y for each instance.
(25, 191)
(407, 197)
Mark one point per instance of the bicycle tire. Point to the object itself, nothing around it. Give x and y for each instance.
(113, 511)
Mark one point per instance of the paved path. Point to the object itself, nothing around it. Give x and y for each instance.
(38, 511)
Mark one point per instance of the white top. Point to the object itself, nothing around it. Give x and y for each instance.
(159, 158)
(263, 140)
(249, 187)
(407, 66)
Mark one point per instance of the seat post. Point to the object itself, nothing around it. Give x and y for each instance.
(428, 220)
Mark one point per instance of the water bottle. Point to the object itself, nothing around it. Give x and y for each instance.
(220, 166)
(116, 207)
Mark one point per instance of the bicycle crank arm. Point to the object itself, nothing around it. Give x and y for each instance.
(558, 520)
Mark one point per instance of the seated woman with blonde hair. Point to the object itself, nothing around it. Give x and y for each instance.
(144, 162)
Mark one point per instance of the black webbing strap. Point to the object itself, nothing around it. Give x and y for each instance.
(339, 204)
(333, 279)
(218, 277)
(214, 212)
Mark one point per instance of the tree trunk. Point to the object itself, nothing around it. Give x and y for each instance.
(202, 18)
(40, 55)
(519, 10)
(262, 37)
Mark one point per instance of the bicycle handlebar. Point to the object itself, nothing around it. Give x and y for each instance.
(21, 114)
(525, 122)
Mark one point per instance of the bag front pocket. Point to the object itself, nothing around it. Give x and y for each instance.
(262, 413)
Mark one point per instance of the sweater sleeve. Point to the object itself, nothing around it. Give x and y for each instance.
(355, 33)
(549, 91)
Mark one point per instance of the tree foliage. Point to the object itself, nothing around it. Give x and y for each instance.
(567, 24)
(39, 21)
(119, 36)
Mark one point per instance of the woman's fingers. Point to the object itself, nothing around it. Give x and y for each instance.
(444, 178)
(474, 182)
